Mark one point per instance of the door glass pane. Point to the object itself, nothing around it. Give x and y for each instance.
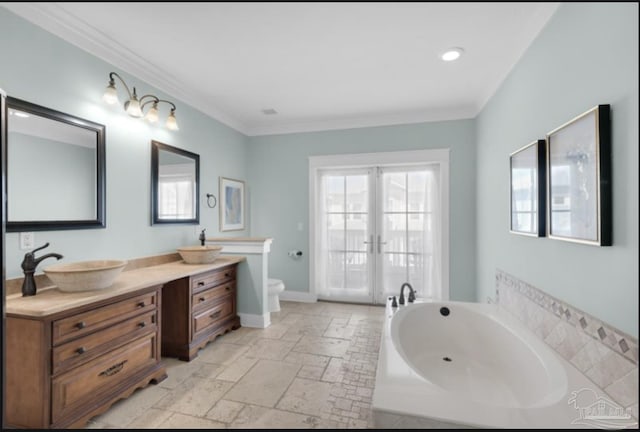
(334, 193)
(416, 233)
(335, 270)
(395, 192)
(357, 193)
(335, 232)
(417, 190)
(420, 272)
(395, 232)
(357, 232)
(394, 271)
(357, 273)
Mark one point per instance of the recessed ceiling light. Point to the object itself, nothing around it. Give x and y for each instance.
(452, 54)
(269, 111)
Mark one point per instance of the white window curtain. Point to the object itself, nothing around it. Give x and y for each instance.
(413, 252)
(341, 229)
(433, 236)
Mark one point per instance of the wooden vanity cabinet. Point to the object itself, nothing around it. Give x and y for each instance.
(63, 369)
(196, 310)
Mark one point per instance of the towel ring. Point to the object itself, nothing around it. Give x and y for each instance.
(215, 201)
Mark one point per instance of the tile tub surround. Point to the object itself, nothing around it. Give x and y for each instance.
(607, 356)
(314, 367)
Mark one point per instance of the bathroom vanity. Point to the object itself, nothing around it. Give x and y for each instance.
(197, 309)
(66, 367)
(70, 356)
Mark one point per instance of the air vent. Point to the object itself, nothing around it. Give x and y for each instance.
(269, 111)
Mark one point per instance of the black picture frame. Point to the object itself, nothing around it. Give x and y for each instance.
(579, 179)
(527, 191)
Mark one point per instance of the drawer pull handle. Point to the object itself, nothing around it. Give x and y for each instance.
(81, 350)
(228, 288)
(141, 304)
(81, 325)
(226, 274)
(201, 299)
(142, 324)
(201, 283)
(215, 315)
(113, 369)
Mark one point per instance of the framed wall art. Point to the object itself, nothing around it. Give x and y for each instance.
(231, 204)
(528, 189)
(579, 179)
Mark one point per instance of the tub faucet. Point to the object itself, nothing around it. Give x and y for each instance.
(412, 293)
(29, 264)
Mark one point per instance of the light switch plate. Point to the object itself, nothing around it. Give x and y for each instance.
(27, 240)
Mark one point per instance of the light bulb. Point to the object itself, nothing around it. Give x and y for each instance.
(133, 106)
(110, 94)
(172, 124)
(152, 114)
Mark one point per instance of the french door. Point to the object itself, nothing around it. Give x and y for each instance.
(376, 228)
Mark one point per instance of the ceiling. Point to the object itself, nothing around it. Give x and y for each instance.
(321, 66)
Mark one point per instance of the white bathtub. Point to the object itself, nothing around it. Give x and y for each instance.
(456, 364)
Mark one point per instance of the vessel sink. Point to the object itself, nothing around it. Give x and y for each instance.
(85, 275)
(199, 254)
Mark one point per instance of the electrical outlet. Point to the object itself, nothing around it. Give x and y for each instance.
(27, 240)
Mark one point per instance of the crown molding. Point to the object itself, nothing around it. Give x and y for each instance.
(392, 119)
(56, 20)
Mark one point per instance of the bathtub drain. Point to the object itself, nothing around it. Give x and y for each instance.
(447, 359)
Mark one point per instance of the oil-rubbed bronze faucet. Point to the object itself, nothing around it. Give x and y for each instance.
(29, 264)
(412, 293)
(201, 238)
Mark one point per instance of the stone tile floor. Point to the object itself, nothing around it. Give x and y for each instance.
(314, 367)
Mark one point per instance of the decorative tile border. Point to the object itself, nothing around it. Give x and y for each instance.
(606, 355)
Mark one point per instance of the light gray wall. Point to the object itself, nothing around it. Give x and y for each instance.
(43, 69)
(278, 183)
(50, 180)
(585, 56)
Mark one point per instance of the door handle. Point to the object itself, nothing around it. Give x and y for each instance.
(380, 243)
(370, 243)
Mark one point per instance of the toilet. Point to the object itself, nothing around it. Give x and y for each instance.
(276, 286)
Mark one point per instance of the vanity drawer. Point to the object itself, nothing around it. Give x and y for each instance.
(216, 313)
(85, 384)
(206, 280)
(88, 322)
(203, 298)
(81, 350)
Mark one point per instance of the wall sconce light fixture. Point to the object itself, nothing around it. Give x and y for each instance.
(135, 107)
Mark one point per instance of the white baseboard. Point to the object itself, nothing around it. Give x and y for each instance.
(254, 320)
(298, 296)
